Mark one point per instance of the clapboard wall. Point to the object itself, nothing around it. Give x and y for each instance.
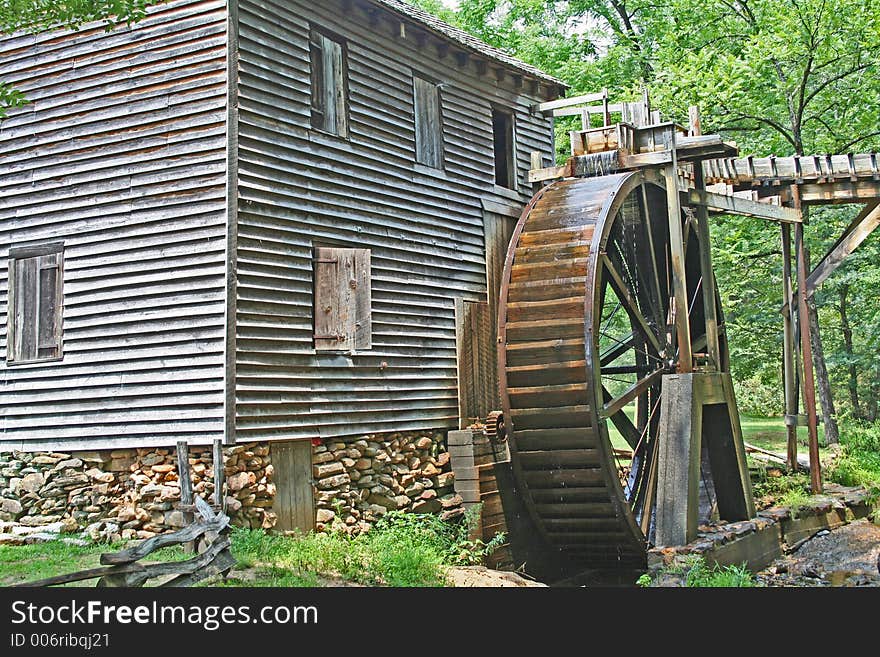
(298, 187)
(121, 154)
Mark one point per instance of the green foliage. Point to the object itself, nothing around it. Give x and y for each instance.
(859, 461)
(402, 549)
(755, 396)
(699, 575)
(790, 489)
(692, 571)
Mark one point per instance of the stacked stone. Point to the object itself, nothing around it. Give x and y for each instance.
(44, 488)
(130, 493)
(358, 482)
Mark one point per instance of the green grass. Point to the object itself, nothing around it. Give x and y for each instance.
(693, 572)
(27, 563)
(402, 549)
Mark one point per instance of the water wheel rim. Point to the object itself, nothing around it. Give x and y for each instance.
(616, 189)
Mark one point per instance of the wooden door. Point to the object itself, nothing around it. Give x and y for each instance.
(294, 495)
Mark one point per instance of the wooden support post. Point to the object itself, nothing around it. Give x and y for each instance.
(185, 481)
(606, 111)
(219, 475)
(788, 352)
(807, 352)
(695, 128)
(679, 278)
(678, 475)
(698, 409)
(708, 276)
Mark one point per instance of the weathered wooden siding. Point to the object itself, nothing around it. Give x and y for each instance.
(424, 227)
(122, 155)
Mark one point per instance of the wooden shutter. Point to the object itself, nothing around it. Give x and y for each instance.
(478, 392)
(49, 293)
(342, 299)
(34, 326)
(318, 82)
(329, 111)
(428, 123)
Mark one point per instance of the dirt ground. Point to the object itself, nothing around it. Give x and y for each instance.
(847, 556)
(480, 576)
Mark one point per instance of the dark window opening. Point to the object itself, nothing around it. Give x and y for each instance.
(35, 294)
(428, 122)
(342, 299)
(502, 136)
(329, 84)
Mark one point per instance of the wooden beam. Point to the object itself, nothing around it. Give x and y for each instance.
(569, 102)
(807, 354)
(743, 206)
(708, 276)
(550, 173)
(789, 344)
(677, 260)
(862, 226)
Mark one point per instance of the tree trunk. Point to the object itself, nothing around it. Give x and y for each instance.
(871, 407)
(853, 381)
(823, 385)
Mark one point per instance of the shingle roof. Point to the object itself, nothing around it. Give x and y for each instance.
(466, 40)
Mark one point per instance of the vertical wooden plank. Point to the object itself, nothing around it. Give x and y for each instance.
(428, 122)
(334, 72)
(185, 481)
(26, 310)
(346, 293)
(679, 279)
(306, 496)
(294, 502)
(49, 306)
(463, 354)
(316, 54)
(326, 305)
(363, 327)
(219, 474)
(789, 370)
(678, 463)
(706, 271)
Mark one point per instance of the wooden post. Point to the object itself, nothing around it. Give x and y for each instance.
(606, 112)
(807, 351)
(219, 475)
(788, 351)
(698, 410)
(185, 481)
(678, 463)
(679, 278)
(709, 303)
(696, 128)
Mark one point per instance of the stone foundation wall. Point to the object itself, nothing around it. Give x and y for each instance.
(129, 493)
(133, 493)
(358, 482)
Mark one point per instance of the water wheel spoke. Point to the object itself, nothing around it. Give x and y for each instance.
(611, 407)
(617, 350)
(622, 422)
(629, 303)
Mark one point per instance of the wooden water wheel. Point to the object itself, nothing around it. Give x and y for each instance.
(586, 331)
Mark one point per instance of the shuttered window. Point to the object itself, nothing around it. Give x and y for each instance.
(342, 299)
(329, 84)
(35, 293)
(428, 122)
(505, 151)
